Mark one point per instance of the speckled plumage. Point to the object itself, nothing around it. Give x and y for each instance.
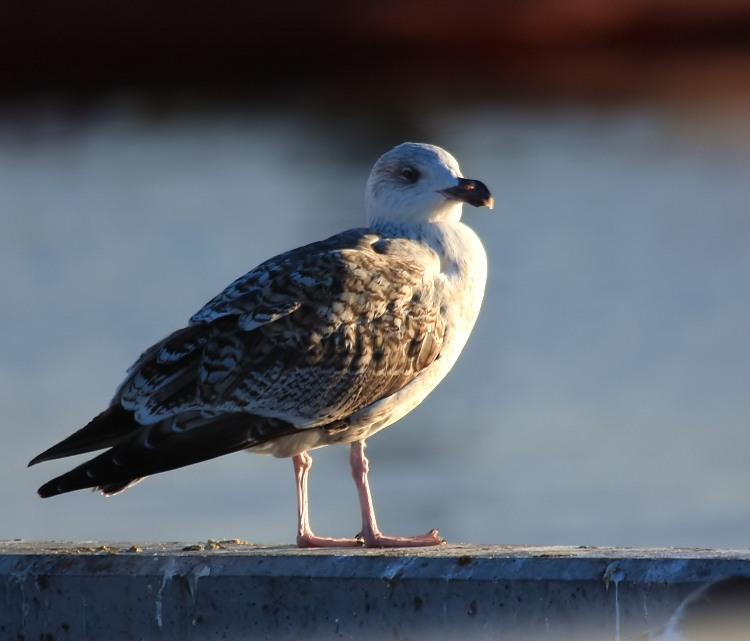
(327, 343)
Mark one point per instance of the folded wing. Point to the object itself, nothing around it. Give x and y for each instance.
(305, 340)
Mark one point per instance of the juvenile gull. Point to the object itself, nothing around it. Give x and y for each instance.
(327, 343)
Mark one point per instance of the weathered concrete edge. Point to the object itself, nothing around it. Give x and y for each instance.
(465, 561)
(243, 548)
(234, 589)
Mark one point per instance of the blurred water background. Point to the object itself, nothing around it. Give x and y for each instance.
(602, 399)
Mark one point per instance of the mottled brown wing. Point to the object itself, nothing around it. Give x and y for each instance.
(337, 330)
(306, 339)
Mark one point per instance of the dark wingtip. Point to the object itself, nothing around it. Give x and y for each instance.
(48, 455)
(69, 482)
(49, 489)
(104, 430)
(37, 459)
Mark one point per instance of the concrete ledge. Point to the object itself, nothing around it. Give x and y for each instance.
(233, 590)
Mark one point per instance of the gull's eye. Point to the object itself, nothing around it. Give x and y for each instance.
(410, 174)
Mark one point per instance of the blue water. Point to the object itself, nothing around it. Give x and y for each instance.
(602, 399)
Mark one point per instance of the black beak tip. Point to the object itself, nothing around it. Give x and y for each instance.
(472, 192)
(481, 196)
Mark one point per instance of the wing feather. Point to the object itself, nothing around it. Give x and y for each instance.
(305, 340)
(332, 330)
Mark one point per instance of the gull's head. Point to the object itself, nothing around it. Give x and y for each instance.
(417, 183)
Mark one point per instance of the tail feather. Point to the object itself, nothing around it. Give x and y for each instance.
(165, 446)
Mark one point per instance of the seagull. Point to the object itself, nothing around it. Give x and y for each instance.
(327, 343)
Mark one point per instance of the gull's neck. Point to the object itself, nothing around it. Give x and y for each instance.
(463, 262)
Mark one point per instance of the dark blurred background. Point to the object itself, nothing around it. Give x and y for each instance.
(542, 48)
(152, 152)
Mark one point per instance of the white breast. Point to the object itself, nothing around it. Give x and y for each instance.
(461, 282)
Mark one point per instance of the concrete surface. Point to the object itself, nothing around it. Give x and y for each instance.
(234, 590)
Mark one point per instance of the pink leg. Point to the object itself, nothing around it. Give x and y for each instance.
(305, 537)
(371, 535)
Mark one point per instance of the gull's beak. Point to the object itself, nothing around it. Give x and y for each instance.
(471, 192)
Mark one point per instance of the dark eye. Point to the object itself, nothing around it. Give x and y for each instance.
(410, 174)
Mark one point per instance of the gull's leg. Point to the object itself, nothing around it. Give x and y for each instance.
(371, 534)
(305, 537)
